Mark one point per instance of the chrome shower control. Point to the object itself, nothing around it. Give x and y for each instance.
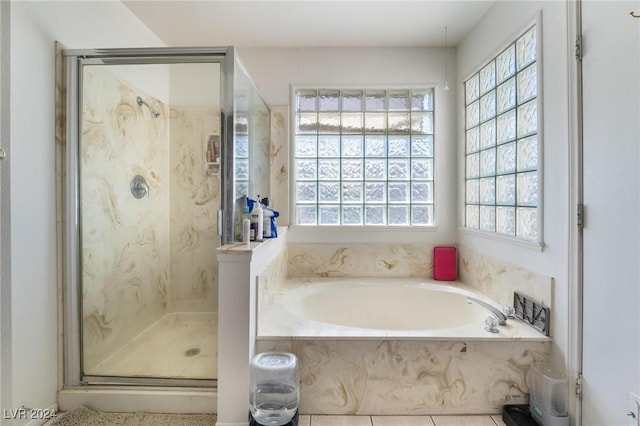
(139, 187)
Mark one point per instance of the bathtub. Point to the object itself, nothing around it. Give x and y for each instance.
(395, 346)
(375, 308)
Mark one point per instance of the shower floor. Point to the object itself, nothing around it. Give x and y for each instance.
(180, 345)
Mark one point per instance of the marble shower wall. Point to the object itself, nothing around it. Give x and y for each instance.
(195, 200)
(279, 161)
(412, 377)
(125, 241)
(329, 260)
(145, 257)
(499, 279)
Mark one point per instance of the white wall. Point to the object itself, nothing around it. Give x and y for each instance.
(34, 311)
(611, 68)
(498, 27)
(274, 69)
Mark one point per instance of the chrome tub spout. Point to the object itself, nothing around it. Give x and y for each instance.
(502, 318)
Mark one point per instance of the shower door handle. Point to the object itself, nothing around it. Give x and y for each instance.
(220, 223)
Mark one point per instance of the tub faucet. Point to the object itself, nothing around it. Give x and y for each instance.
(502, 318)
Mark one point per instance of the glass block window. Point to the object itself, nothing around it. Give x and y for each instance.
(501, 117)
(364, 157)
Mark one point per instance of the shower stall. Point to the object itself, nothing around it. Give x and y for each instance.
(161, 147)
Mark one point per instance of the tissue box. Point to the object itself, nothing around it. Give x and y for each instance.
(445, 264)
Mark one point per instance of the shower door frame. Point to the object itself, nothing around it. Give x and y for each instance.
(74, 60)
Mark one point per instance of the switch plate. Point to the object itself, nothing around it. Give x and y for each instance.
(633, 410)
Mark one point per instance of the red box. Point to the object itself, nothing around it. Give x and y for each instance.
(445, 264)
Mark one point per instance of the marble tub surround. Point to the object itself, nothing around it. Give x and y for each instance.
(279, 162)
(270, 282)
(360, 260)
(499, 279)
(282, 312)
(410, 377)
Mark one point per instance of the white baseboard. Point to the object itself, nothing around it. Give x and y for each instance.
(149, 400)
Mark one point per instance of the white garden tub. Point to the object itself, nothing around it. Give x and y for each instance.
(375, 307)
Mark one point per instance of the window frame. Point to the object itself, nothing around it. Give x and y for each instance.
(538, 243)
(360, 232)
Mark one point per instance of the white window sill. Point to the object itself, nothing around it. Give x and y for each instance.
(361, 234)
(532, 245)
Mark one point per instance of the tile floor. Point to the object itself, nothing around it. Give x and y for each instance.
(495, 420)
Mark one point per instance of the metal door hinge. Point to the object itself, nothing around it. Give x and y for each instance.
(579, 386)
(580, 216)
(579, 48)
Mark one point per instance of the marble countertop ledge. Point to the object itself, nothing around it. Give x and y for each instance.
(240, 247)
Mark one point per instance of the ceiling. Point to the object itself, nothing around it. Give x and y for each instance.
(309, 23)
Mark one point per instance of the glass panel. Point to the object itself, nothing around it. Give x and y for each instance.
(488, 218)
(473, 114)
(329, 146)
(306, 100)
(488, 134)
(422, 215)
(473, 165)
(352, 100)
(375, 123)
(506, 127)
(352, 215)
(352, 146)
(398, 169)
(352, 192)
(375, 169)
(329, 100)
(328, 122)
(488, 190)
(398, 215)
(422, 169)
(506, 161)
(398, 123)
(375, 146)
(506, 220)
(488, 162)
(472, 89)
(399, 146)
(422, 100)
(306, 192)
(352, 169)
(488, 106)
(527, 189)
(473, 140)
(422, 192)
(398, 100)
(506, 190)
(306, 215)
(328, 169)
(473, 191)
(488, 78)
(305, 169)
(527, 84)
(506, 98)
(352, 122)
(306, 146)
(422, 146)
(506, 64)
(375, 215)
(329, 215)
(375, 100)
(473, 217)
(528, 153)
(375, 192)
(422, 122)
(527, 223)
(526, 47)
(306, 123)
(329, 192)
(399, 192)
(527, 118)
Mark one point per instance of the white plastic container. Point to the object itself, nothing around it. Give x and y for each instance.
(274, 388)
(549, 396)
